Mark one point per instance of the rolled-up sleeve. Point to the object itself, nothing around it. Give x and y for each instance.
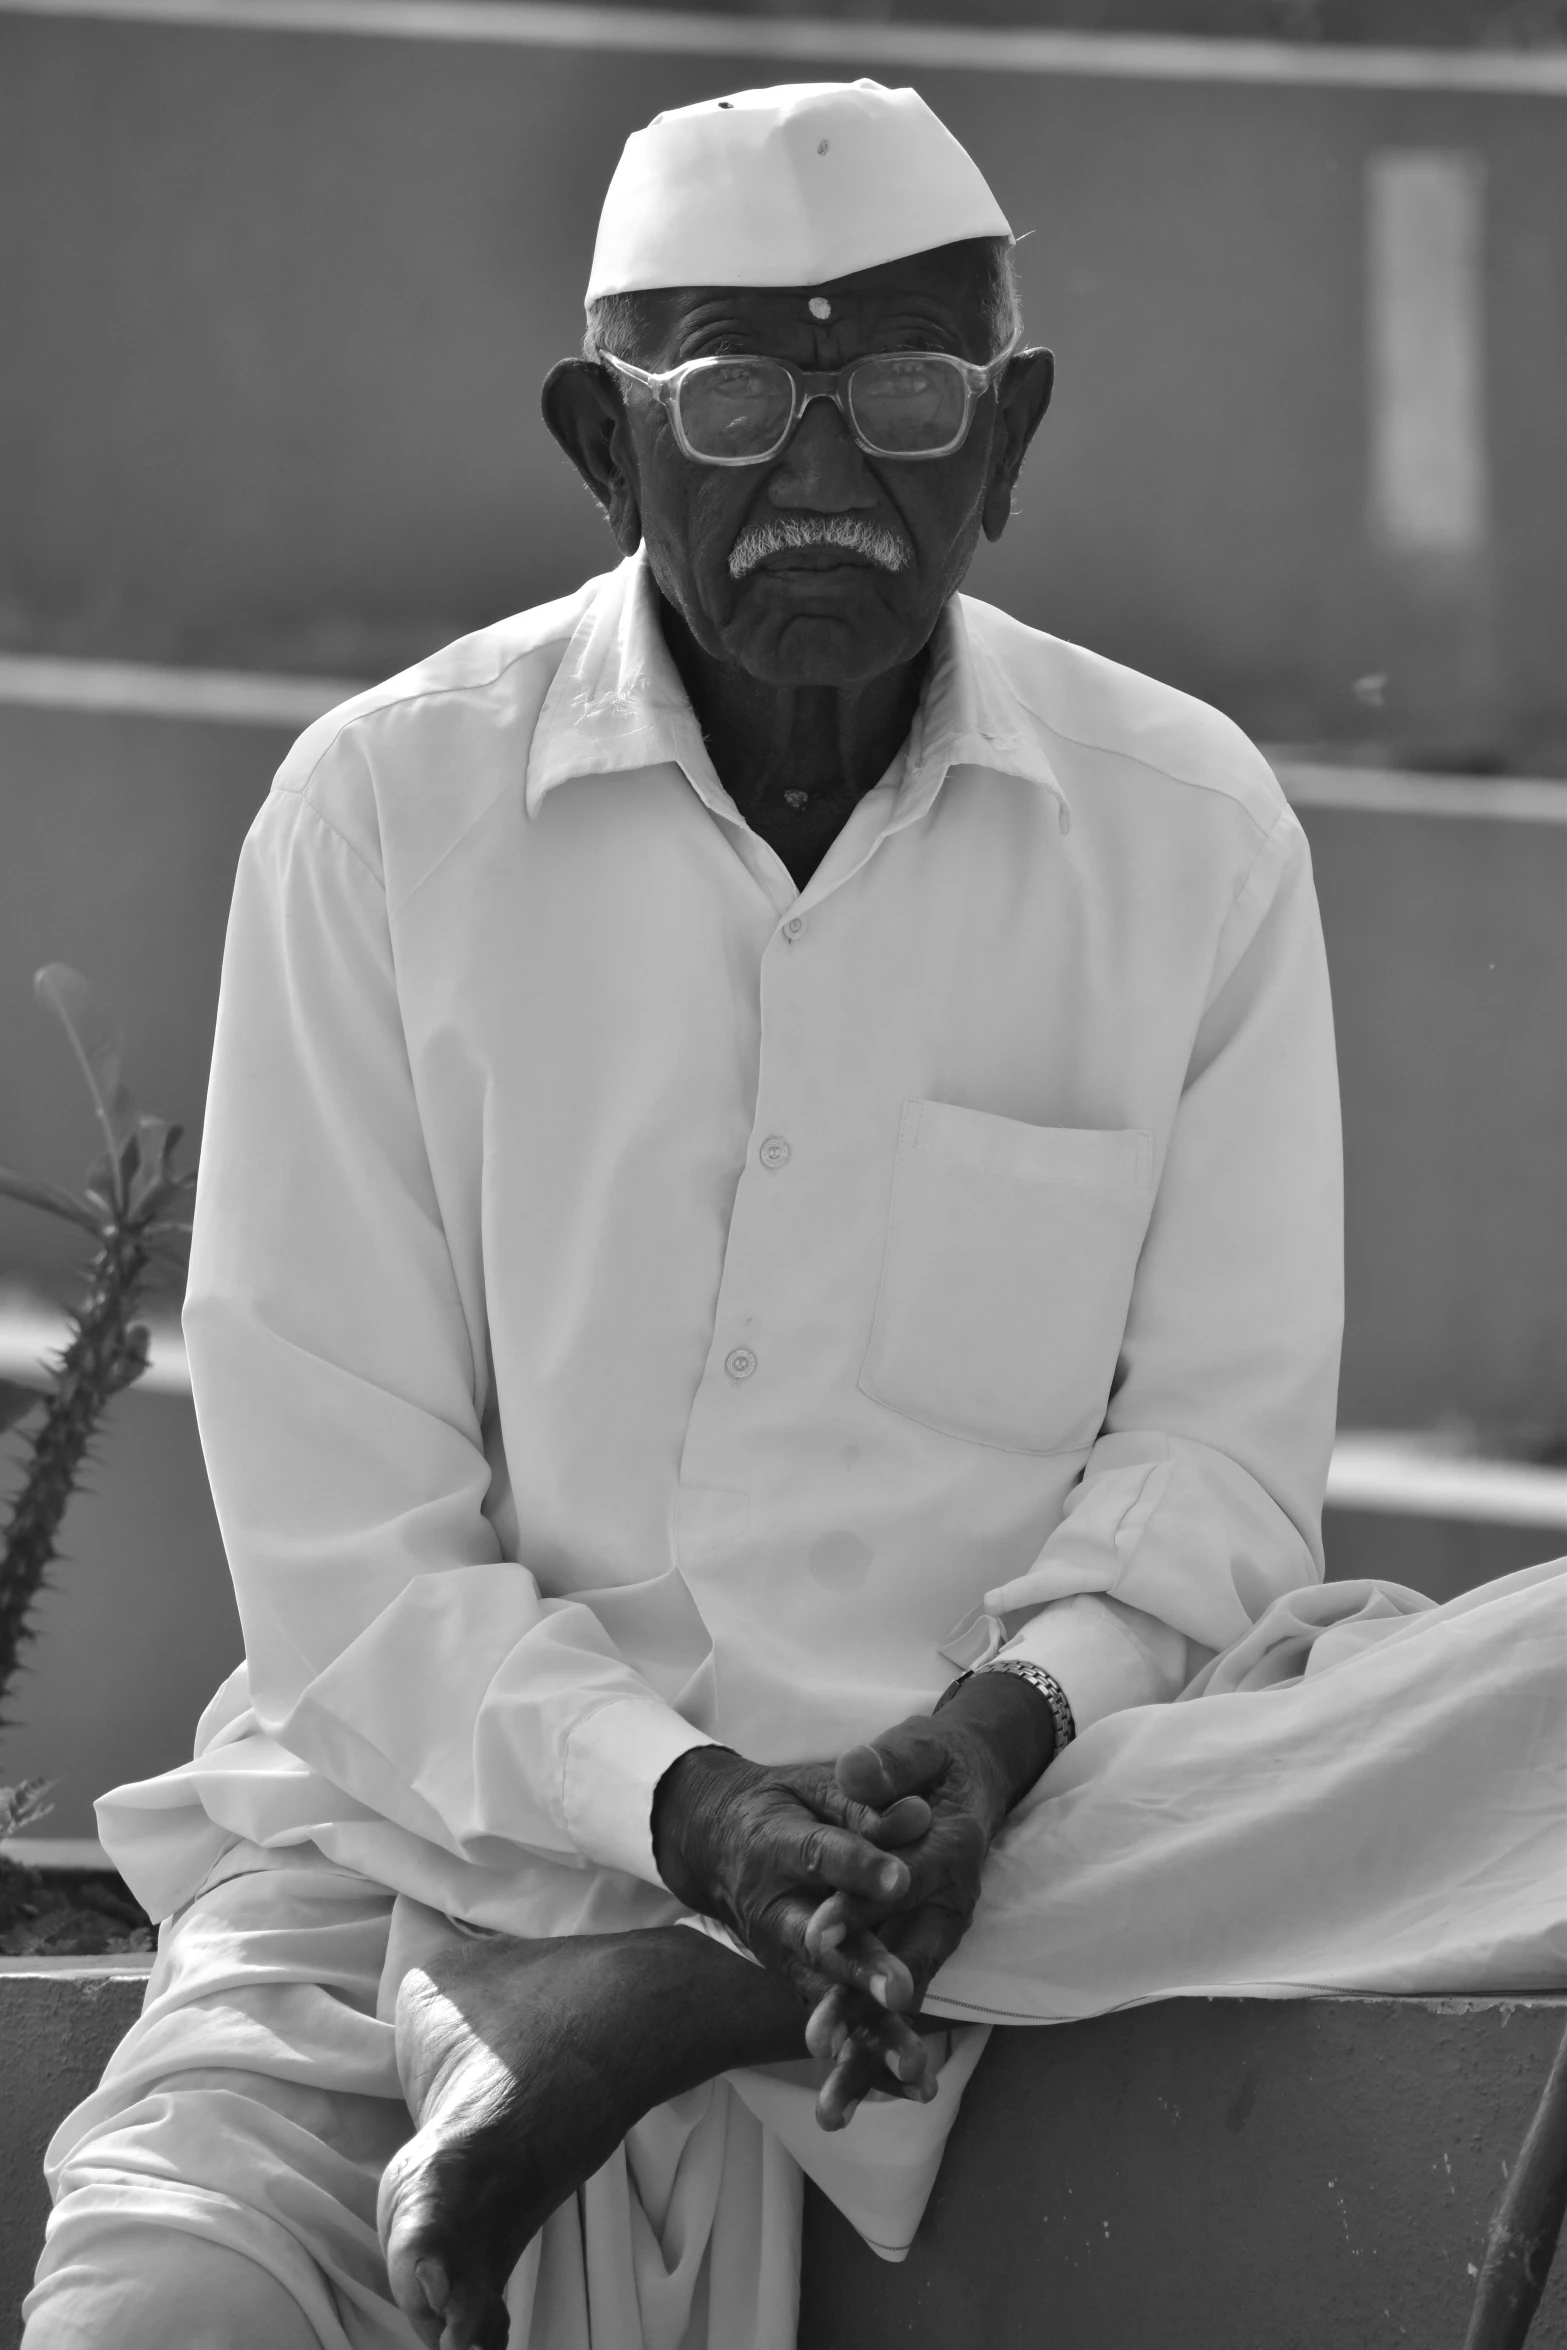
(1201, 1500)
(339, 1387)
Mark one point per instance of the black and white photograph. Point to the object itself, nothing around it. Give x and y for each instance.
(783, 1174)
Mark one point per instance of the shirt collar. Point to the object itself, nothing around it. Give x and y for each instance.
(617, 703)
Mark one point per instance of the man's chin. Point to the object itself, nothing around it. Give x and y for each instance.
(811, 639)
(811, 663)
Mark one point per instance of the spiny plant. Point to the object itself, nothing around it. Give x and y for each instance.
(137, 1211)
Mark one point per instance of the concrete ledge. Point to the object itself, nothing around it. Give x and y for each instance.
(60, 2020)
(1229, 2174)
(1212, 2175)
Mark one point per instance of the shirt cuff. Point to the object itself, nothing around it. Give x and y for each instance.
(1106, 1656)
(615, 1758)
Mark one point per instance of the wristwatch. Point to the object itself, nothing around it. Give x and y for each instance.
(1048, 1686)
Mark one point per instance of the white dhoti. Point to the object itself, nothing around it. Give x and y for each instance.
(1365, 1794)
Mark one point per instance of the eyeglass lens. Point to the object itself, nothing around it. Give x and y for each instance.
(901, 405)
(738, 408)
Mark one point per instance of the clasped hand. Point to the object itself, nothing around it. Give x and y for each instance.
(856, 1881)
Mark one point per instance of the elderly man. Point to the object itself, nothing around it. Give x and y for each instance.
(772, 1171)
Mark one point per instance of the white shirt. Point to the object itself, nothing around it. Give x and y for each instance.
(635, 1301)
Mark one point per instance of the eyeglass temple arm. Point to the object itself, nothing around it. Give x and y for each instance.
(654, 383)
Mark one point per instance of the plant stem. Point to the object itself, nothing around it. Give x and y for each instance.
(105, 1355)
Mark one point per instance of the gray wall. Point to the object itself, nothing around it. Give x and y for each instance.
(1287, 2174)
(276, 308)
(1210, 2175)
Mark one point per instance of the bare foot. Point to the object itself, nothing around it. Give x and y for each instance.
(524, 2065)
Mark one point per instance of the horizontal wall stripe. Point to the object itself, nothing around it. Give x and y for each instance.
(547, 24)
(223, 697)
(1387, 791)
(62, 1852)
(33, 1335)
(1389, 1472)
(1400, 1475)
(243, 697)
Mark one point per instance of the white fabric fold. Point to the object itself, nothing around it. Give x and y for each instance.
(1365, 1794)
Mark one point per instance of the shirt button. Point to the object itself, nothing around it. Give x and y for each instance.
(795, 926)
(741, 1363)
(774, 1152)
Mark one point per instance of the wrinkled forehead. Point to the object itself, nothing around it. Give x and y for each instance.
(944, 297)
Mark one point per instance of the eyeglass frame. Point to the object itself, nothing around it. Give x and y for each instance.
(810, 384)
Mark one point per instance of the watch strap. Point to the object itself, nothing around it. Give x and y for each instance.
(1023, 1669)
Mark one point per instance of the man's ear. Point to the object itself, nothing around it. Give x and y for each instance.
(582, 408)
(1020, 406)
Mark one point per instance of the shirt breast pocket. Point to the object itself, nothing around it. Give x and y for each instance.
(1007, 1276)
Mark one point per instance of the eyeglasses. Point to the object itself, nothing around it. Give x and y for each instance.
(896, 403)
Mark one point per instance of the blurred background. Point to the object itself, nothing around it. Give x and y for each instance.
(279, 281)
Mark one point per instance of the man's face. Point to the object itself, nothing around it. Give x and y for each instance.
(817, 614)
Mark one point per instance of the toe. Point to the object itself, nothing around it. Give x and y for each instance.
(447, 2277)
(476, 2319)
(418, 2262)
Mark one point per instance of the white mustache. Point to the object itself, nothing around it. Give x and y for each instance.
(871, 539)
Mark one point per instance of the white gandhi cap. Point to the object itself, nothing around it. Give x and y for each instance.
(786, 187)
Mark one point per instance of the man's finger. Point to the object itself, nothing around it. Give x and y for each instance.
(816, 1786)
(882, 2055)
(780, 1936)
(836, 1860)
(926, 1939)
(857, 2068)
(830, 2022)
(909, 2058)
(900, 1762)
(831, 1924)
(905, 2055)
(946, 1866)
(864, 1778)
(905, 1822)
(840, 1921)
(847, 1952)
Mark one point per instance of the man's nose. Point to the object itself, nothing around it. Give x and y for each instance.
(822, 467)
